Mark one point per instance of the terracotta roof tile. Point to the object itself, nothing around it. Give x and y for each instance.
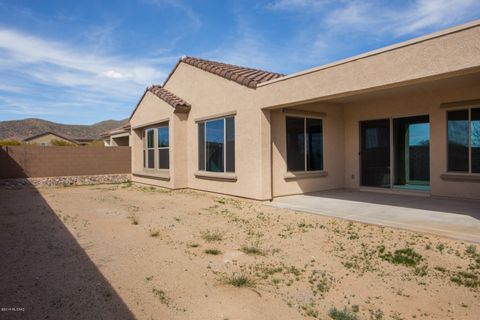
(245, 76)
(169, 97)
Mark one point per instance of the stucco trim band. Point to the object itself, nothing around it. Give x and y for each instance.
(302, 113)
(223, 176)
(216, 116)
(460, 177)
(457, 104)
(159, 175)
(143, 125)
(304, 174)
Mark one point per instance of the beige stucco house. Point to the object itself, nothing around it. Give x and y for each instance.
(404, 118)
(118, 137)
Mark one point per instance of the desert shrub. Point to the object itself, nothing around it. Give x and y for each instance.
(239, 280)
(344, 314)
(407, 257)
(10, 142)
(62, 143)
(211, 236)
(214, 252)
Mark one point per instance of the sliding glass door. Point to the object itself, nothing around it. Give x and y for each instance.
(399, 143)
(411, 149)
(375, 153)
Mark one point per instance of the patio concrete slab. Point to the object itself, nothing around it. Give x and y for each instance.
(455, 218)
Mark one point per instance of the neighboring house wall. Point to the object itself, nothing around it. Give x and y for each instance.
(29, 161)
(120, 140)
(46, 140)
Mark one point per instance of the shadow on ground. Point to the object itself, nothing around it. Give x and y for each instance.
(42, 267)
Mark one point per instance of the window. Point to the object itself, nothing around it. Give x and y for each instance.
(304, 144)
(161, 159)
(149, 151)
(163, 148)
(463, 135)
(216, 145)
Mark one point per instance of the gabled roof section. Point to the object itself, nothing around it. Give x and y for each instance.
(248, 77)
(177, 103)
(169, 97)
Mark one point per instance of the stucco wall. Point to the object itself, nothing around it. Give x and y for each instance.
(457, 52)
(333, 150)
(211, 95)
(414, 101)
(32, 161)
(152, 112)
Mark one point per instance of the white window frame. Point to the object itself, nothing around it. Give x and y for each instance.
(146, 149)
(204, 122)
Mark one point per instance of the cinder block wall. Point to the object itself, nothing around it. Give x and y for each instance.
(30, 161)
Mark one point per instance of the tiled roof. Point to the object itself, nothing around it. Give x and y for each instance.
(245, 76)
(169, 97)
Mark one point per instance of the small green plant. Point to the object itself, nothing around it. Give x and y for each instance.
(466, 279)
(471, 249)
(407, 257)
(10, 142)
(161, 295)
(376, 315)
(62, 143)
(214, 252)
(211, 236)
(344, 314)
(439, 268)
(154, 233)
(193, 245)
(440, 247)
(421, 271)
(253, 249)
(133, 219)
(240, 280)
(127, 184)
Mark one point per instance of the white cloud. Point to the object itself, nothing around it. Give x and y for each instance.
(374, 17)
(71, 72)
(296, 4)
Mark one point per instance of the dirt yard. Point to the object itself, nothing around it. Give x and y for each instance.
(125, 251)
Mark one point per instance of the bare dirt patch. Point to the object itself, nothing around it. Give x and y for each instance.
(159, 254)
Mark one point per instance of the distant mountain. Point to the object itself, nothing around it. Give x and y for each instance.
(21, 129)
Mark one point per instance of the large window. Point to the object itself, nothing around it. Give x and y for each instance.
(149, 151)
(216, 145)
(464, 140)
(163, 148)
(304, 144)
(160, 136)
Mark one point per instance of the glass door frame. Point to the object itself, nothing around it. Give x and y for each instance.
(393, 163)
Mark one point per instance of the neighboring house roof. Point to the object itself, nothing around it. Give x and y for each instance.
(122, 129)
(52, 133)
(248, 77)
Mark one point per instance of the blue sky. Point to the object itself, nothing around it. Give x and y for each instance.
(86, 61)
